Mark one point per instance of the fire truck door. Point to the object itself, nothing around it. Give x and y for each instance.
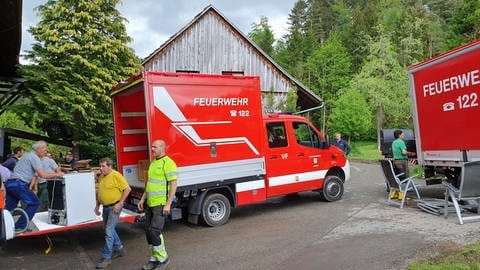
(308, 157)
(291, 157)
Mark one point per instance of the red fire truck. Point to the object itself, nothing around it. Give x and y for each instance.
(445, 96)
(446, 88)
(227, 152)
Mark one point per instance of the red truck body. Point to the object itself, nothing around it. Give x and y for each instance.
(227, 152)
(445, 95)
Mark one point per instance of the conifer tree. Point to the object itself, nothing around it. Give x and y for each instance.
(79, 54)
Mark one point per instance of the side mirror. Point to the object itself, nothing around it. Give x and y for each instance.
(326, 143)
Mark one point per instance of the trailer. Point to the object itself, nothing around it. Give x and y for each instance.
(72, 200)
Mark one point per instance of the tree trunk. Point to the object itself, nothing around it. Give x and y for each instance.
(379, 125)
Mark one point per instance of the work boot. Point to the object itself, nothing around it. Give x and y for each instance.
(163, 265)
(104, 263)
(150, 265)
(394, 195)
(118, 253)
(400, 195)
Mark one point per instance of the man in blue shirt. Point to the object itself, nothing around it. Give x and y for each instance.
(342, 144)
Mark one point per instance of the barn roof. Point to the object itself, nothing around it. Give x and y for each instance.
(11, 37)
(306, 97)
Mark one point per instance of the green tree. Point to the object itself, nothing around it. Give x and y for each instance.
(416, 32)
(351, 116)
(444, 9)
(300, 47)
(12, 120)
(79, 55)
(440, 16)
(465, 26)
(289, 103)
(362, 23)
(385, 85)
(330, 69)
(274, 102)
(298, 44)
(282, 55)
(262, 35)
(269, 105)
(320, 18)
(343, 16)
(297, 19)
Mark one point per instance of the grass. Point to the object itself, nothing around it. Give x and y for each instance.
(450, 256)
(364, 150)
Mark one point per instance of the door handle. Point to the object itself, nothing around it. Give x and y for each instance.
(273, 157)
(300, 155)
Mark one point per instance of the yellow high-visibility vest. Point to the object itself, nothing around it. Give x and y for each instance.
(160, 172)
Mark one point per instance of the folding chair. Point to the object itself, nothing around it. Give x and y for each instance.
(469, 189)
(396, 184)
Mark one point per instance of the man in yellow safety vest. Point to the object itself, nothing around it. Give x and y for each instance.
(157, 201)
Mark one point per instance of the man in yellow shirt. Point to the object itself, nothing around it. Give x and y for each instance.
(113, 189)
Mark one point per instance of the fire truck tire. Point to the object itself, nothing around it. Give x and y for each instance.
(332, 189)
(215, 210)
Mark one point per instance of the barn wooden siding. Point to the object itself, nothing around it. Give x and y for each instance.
(210, 46)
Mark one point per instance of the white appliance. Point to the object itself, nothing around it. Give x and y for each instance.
(72, 199)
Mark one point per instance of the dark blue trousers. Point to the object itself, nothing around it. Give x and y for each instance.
(18, 190)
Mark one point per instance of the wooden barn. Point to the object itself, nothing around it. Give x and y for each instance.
(212, 44)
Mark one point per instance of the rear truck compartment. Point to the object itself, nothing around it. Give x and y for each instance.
(445, 94)
(445, 97)
(216, 133)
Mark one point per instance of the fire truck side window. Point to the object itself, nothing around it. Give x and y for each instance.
(305, 135)
(276, 135)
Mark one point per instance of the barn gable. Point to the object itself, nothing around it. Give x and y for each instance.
(211, 44)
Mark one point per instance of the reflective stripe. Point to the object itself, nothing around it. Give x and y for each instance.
(157, 181)
(156, 193)
(170, 174)
(158, 248)
(159, 253)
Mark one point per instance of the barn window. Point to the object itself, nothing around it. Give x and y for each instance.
(238, 73)
(187, 71)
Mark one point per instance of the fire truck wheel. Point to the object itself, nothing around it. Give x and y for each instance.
(332, 189)
(215, 210)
